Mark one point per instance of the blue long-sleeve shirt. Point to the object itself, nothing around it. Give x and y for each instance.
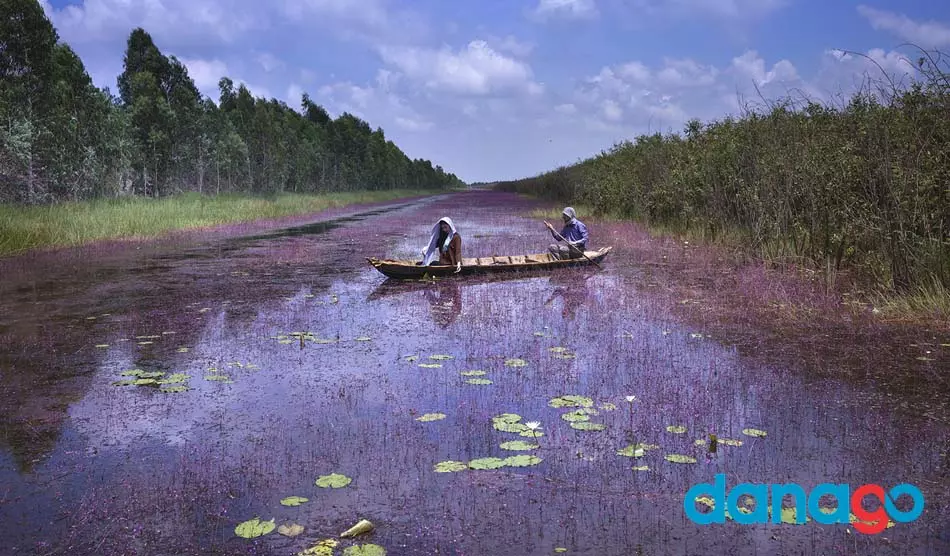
(575, 232)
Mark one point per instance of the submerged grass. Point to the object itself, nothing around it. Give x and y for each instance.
(70, 224)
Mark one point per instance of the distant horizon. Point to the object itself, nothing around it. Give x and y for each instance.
(501, 91)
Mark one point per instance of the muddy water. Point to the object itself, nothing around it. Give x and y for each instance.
(88, 467)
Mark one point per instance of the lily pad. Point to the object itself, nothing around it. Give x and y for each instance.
(146, 343)
(565, 356)
(588, 426)
(571, 401)
(362, 339)
(576, 416)
(219, 378)
(515, 362)
(679, 458)
(174, 389)
(676, 429)
(411, 358)
(754, 432)
(478, 381)
(523, 460)
(473, 373)
(144, 381)
(182, 350)
(607, 406)
(333, 480)
(364, 550)
(509, 427)
(486, 463)
(636, 450)
(254, 528)
(641, 468)
(431, 417)
(100, 346)
(450, 466)
(124, 383)
(532, 433)
(559, 549)
(506, 418)
(729, 442)
(133, 372)
(431, 365)
(518, 445)
(174, 378)
(557, 349)
(322, 548)
(291, 530)
(294, 501)
(440, 357)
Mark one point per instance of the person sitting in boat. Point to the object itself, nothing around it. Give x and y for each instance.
(574, 233)
(445, 246)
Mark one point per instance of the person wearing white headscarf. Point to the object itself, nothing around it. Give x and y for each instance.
(574, 233)
(445, 245)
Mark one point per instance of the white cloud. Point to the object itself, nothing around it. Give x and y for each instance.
(512, 46)
(750, 66)
(410, 124)
(269, 62)
(569, 9)
(929, 34)
(206, 74)
(612, 111)
(567, 109)
(720, 9)
(474, 70)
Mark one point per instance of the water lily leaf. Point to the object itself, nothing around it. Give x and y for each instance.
(509, 427)
(174, 389)
(729, 442)
(607, 406)
(133, 372)
(254, 528)
(364, 550)
(285, 341)
(219, 378)
(322, 548)
(519, 445)
(565, 356)
(333, 480)
(636, 450)
(676, 429)
(557, 349)
(641, 468)
(571, 401)
(144, 381)
(473, 373)
(753, 432)
(506, 418)
(575, 416)
(149, 337)
(531, 433)
(479, 381)
(559, 549)
(523, 460)
(411, 358)
(100, 346)
(124, 383)
(450, 466)
(291, 530)
(363, 339)
(431, 365)
(540, 334)
(439, 357)
(515, 362)
(294, 501)
(431, 417)
(147, 343)
(486, 463)
(173, 378)
(679, 458)
(182, 350)
(593, 427)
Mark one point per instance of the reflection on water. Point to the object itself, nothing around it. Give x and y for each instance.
(266, 413)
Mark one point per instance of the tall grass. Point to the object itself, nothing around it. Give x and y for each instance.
(863, 186)
(69, 224)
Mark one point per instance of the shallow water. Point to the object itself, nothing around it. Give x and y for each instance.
(87, 467)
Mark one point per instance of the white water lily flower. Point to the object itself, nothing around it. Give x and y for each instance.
(533, 425)
(630, 398)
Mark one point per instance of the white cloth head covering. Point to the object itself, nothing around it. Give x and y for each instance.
(569, 212)
(431, 252)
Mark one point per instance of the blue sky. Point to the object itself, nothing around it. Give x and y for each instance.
(502, 89)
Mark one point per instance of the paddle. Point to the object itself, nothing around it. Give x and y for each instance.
(569, 244)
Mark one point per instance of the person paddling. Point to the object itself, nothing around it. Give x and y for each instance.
(574, 233)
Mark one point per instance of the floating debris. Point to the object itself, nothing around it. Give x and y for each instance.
(290, 530)
(101, 346)
(431, 417)
(361, 527)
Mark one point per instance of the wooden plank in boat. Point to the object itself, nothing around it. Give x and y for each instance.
(518, 259)
(485, 261)
(502, 260)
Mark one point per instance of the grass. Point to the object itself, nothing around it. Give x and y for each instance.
(70, 224)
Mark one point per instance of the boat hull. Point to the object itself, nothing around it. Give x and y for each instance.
(406, 269)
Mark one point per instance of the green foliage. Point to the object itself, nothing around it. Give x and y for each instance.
(862, 185)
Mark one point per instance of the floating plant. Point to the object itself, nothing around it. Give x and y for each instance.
(641, 468)
(174, 389)
(101, 346)
(473, 373)
(333, 480)
(676, 429)
(636, 450)
(754, 433)
(450, 466)
(439, 357)
(523, 460)
(431, 365)
(679, 458)
(515, 362)
(571, 401)
(431, 417)
(362, 339)
(577, 415)
(519, 445)
(322, 548)
(593, 427)
(290, 530)
(254, 528)
(607, 406)
(479, 381)
(487, 463)
(293, 501)
(411, 358)
(364, 550)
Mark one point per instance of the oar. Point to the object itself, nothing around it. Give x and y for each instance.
(569, 244)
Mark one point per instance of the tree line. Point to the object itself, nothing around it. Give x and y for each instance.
(62, 138)
(863, 185)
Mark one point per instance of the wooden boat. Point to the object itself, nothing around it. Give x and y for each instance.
(483, 265)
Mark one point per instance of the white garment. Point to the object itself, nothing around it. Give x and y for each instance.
(431, 252)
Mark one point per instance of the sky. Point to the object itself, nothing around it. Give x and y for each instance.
(506, 89)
